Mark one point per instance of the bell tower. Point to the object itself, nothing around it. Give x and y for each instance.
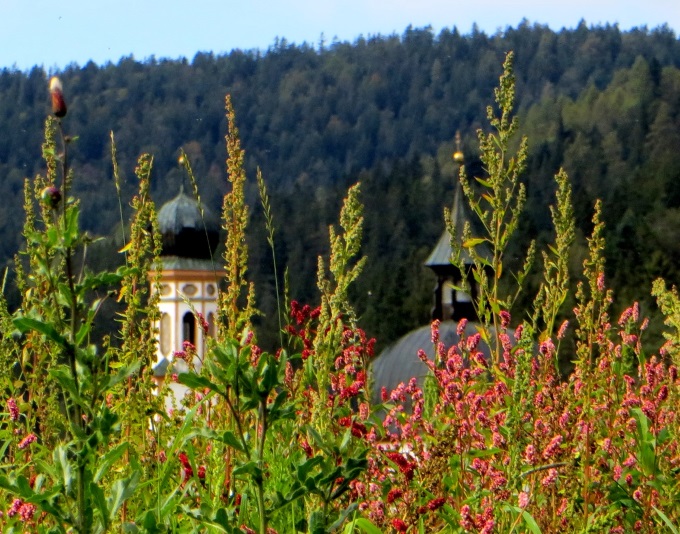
(189, 279)
(451, 303)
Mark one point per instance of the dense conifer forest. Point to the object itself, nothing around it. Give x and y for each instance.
(600, 102)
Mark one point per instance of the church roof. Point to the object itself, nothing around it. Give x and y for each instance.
(185, 231)
(178, 263)
(399, 362)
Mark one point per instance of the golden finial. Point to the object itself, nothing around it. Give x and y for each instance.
(458, 154)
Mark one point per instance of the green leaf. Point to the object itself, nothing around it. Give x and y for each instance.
(229, 438)
(366, 526)
(71, 226)
(123, 374)
(60, 456)
(99, 501)
(317, 523)
(195, 381)
(7, 485)
(249, 468)
(226, 354)
(343, 517)
(318, 440)
(24, 488)
(24, 324)
(473, 242)
(304, 469)
(531, 522)
(62, 375)
(122, 490)
(149, 522)
(270, 375)
(481, 453)
(526, 516)
(109, 459)
(667, 521)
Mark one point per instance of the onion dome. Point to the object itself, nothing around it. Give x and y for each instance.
(185, 232)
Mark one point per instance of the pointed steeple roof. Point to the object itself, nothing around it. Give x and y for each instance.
(439, 259)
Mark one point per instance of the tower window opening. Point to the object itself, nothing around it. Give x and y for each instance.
(189, 328)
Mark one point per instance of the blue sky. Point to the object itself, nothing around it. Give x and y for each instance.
(56, 33)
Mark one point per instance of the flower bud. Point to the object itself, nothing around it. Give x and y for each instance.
(51, 196)
(58, 103)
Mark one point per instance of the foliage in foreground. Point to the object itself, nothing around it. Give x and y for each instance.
(288, 441)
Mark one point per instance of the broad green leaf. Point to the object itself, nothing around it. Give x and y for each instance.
(109, 459)
(24, 324)
(149, 522)
(194, 381)
(62, 375)
(121, 491)
(229, 438)
(71, 224)
(24, 487)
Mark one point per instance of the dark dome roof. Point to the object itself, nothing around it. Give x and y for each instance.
(185, 233)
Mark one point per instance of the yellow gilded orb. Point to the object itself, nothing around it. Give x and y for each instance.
(458, 156)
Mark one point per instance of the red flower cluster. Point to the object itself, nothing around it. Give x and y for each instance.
(359, 430)
(405, 466)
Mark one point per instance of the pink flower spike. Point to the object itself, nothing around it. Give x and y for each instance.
(523, 499)
(13, 409)
(27, 441)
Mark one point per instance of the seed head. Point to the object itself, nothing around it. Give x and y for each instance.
(51, 196)
(58, 102)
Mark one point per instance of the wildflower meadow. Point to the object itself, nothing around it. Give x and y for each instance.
(289, 440)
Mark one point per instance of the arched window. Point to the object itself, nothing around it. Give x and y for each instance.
(189, 328)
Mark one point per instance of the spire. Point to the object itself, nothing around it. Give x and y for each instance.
(451, 303)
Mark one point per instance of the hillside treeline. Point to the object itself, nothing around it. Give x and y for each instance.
(602, 103)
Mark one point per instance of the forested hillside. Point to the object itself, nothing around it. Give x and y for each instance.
(602, 103)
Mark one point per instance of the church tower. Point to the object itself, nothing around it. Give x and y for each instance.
(399, 362)
(189, 279)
